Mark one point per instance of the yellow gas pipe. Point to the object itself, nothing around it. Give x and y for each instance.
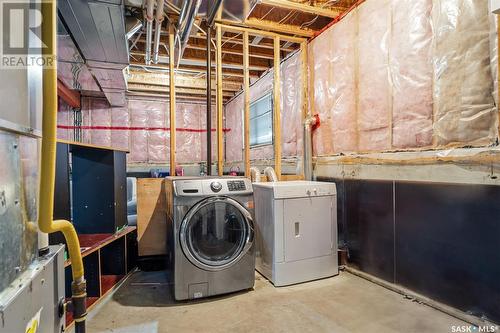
(48, 164)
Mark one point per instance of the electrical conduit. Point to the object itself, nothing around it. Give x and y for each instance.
(48, 164)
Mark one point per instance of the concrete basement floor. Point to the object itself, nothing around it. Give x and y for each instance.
(345, 303)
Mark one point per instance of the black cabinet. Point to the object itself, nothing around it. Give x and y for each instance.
(99, 190)
(90, 188)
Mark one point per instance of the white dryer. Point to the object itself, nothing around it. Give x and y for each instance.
(296, 231)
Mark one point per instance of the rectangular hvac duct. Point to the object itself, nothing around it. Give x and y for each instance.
(98, 28)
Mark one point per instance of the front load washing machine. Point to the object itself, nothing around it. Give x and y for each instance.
(210, 235)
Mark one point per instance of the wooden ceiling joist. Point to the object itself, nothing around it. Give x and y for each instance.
(303, 7)
(160, 79)
(179, 98)
(237, 40)
(267, 29)
(191, 61)
(178, 91)
(231, 73)
(234, 51)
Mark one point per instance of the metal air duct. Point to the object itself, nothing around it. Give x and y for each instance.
(158, 21)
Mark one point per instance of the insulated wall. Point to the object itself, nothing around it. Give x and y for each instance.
(405, 74)
(291, 114)
(142, 128)
(463, 95)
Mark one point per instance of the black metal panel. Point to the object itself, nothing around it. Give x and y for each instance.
(131, 244)
(113, 258)
(341, 215)
(62, 200)
(120, 188)
(92, 274)
(93, 190)
(448, 244)
(369, 213)
(92, 278)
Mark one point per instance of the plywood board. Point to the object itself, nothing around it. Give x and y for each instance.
(151, 217)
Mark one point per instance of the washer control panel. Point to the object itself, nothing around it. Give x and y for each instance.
(193, 187)
(236, 185)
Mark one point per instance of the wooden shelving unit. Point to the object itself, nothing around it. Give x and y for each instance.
(91, 192)
(107, 260)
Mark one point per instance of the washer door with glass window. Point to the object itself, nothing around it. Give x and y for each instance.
(216, 233)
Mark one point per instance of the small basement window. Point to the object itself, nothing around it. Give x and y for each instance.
(261, 121)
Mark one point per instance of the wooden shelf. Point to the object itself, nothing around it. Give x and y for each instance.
(96, 177)
(108, 282)
(109, 260)
(88, 145)
(93, 242)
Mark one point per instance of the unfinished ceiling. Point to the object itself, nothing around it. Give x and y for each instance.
(287, 17)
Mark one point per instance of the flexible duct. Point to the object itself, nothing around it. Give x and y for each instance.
(158, 21)
(308, 164)
(149, 29)
(255, 175)
(270, 174)
(48, 166)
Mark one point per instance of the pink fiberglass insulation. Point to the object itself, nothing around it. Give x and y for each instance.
(234, 121)
(291, 106)
(320, 68)
(188, 137)
(343, 85)
(291, 114)
(64, 119)
(86, 120)
(374, 100)
(138, 138)
(411, 73)
(100, 114)
(157, 120)
(120, 119)
(203, 134)
(464, 108)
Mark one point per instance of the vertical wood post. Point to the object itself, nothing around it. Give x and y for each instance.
(172, 98)
(246, 87)
(220, 137)
(277, 108)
